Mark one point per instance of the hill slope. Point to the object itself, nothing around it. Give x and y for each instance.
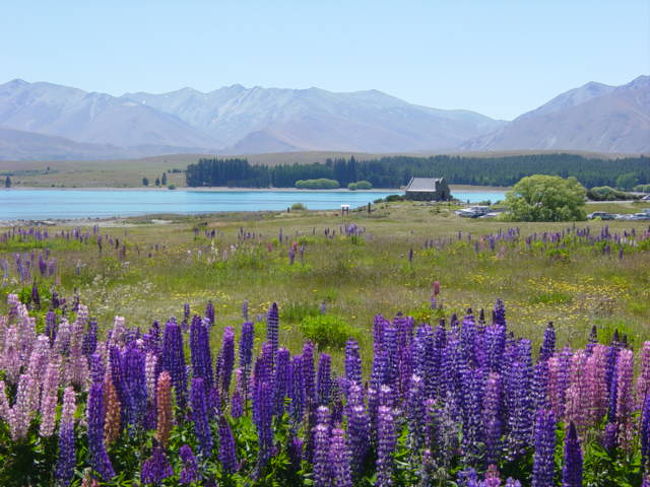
(594, 117)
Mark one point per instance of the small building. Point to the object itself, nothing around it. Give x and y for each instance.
(427, 189)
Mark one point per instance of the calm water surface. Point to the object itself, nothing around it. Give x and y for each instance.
(53, 203)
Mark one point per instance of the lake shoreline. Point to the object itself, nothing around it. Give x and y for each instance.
(226, 189)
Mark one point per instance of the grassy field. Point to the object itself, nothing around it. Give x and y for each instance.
(544, 272)
(129, 172)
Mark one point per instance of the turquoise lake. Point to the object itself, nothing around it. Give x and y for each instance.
(65, 204)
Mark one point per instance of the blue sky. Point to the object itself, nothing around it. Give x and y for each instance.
(500, 58)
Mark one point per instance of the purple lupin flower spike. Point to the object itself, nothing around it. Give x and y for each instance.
(352, 362)
(200, 355)
(415, 411)
(296, 390)
(96, 410)
(387, 440)
(156, 468)
(544, 456)
(493, 418)
(281, 380)
(548, 345)
(321, 435)
(339, 459)
(572, 469)
(246, 341)
(227, 451)
(273, 327)
(173, 361)
(200, 416)
(308, 374)
(324, 382)
(190, 472)
(262, 416)
(645, 431)
(66, 460)
(228, 359)
(209, 313)
(359, 432)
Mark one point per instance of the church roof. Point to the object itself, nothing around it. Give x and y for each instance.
(423, 185)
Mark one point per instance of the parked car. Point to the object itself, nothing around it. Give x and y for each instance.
(473, 211)
(602, 215)
(640, 216)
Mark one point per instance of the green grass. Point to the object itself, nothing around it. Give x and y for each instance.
(572, 284)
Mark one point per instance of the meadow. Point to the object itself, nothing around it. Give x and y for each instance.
(331, 276)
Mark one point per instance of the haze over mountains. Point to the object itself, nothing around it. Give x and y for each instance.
(48, 121)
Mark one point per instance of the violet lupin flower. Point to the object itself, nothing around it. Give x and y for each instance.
(190, 472)
(359, 432)
(173, 361)
(200, 351)
(95, 416)
(321, 435)
(572, 469)
(273, 327)
(544, 456)
(246, 341)
(308, 374)
(415, 411)
(66, 460)
(281, 380)
(296, 390)
(135, 383)
(324, 384)
(645, 431)
(228, 359)
(387, 441)
(493, 418)
(209, 313)
(339, 459)
(227, 451)
(539, 388)
(156, 468)
(262, 416)
(89, 344)
(200, 416)
(548, 345)
(352, 362)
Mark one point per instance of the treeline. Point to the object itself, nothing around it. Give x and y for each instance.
(396, 171)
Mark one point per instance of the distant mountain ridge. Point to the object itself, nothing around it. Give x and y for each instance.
(594, 117)
(239, 120)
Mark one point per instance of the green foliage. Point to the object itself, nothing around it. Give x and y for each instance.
(7, 182)
(327, 330)
(546, 198)
(396, 171)
(298, 207)
(607, 193)
(321, 183)
(145, 181)
(171, 186)
(627, 181)
(360, 185)
(643, 188)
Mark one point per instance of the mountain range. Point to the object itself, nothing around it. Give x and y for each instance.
(48, 121)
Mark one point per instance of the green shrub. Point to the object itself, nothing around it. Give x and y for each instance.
(607, 193)
(171, 186)
(326, 330)
(298, 206)
(360, 185)
(643, 188)
(322, 183)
